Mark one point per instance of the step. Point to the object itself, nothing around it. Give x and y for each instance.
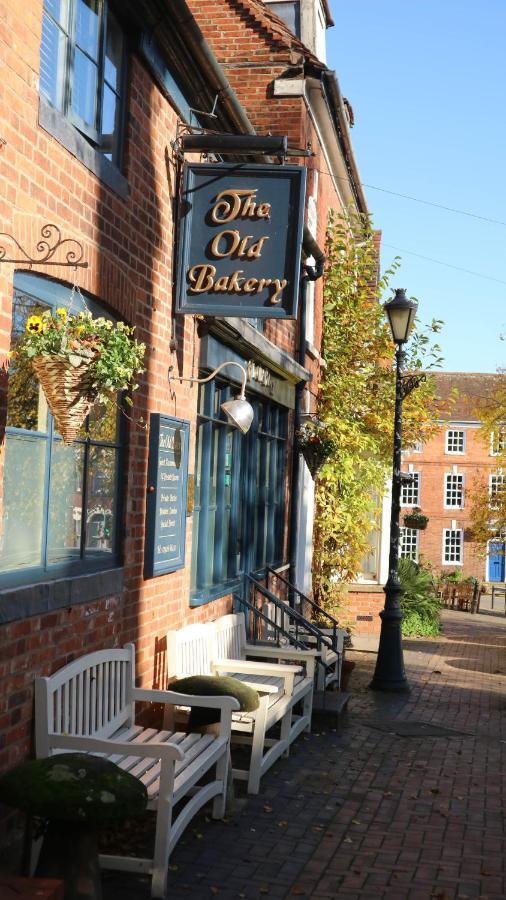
(330, 703)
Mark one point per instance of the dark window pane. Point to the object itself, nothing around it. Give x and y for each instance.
(26, 404)
(103, 422)
(113, 54)
(23, 502)
(65, 502)
(84, 92)
(53, 50)
(101, 501)
(87, 26)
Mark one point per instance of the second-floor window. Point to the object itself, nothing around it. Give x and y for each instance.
(410, 491)
(455, 441)
(497, 486)
(454, 489)
(82, 69)
(498, 442)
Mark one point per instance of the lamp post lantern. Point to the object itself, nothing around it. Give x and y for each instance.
(389, 674)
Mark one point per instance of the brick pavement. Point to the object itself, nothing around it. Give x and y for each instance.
(366, 813)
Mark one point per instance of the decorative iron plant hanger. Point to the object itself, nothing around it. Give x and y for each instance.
(51, 250)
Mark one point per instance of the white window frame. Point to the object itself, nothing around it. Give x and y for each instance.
(447, 489)
(454, 531)
(409, 488)
(500, 476)
(500, 447)
(414, 536)
(452, 431)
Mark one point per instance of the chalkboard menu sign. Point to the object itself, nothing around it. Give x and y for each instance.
(166, 501)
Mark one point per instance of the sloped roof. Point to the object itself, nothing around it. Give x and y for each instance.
(469, 390)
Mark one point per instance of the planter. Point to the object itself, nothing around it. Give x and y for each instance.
(418, 522)
(314, 458)
(68, 391)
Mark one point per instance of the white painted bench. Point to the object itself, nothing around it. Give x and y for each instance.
(89, 706)
(221, 648)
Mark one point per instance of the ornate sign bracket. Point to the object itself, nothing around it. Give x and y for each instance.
(47, 248)
(410, 383)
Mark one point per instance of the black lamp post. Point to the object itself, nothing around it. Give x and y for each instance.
(389, 674)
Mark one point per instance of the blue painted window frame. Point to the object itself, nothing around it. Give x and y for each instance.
(59, 20)
(248, 529)
(55, 294)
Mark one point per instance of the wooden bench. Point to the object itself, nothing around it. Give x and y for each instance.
(221, 648)
(89, 706)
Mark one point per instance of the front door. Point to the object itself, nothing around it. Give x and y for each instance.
(496, 561)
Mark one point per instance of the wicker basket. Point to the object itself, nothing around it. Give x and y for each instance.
(68, 392)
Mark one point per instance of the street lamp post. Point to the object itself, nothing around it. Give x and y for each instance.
(389, 674)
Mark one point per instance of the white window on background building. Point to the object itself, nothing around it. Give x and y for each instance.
(498, 442)
(497, 485)
(410, 491)
(453, 546)
(455, 441)
(82, 64)
(454, 490)
(409, 543)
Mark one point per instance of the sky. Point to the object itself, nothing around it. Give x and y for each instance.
(427, 83)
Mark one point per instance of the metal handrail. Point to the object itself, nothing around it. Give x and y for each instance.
(301, 624)
(279, 630)
(312, 603)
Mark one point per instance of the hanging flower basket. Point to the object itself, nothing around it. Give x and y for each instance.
(315, 446)
(78, 360)
(416, 519)
(69, 392)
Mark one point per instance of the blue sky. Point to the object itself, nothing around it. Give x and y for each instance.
(427, 82)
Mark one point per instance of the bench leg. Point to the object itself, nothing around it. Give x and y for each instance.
(307, 709)
(222, 774)
(257, 746)
(286, 727)
(162, 835)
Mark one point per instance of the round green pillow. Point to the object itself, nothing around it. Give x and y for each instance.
(74, 787)
(214, 686)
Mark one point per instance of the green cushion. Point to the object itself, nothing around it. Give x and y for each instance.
(214, 686)
(74, 787)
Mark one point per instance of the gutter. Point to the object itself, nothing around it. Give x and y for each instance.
(329, 79)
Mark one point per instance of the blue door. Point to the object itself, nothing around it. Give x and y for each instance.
(496, 561)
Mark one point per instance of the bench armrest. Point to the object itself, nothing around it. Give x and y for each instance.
(155, 749)
(248, 665)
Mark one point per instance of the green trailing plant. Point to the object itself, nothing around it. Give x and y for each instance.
(416, 519)
(315, 445)
(419, 602)
(356, 402)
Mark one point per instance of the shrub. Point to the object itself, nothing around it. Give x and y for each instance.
(419, 602)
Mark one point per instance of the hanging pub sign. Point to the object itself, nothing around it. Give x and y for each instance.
(166, 500)
(240, 240)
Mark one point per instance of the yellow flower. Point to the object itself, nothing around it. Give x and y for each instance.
(79, 330)
(62, 312)
(34, 325)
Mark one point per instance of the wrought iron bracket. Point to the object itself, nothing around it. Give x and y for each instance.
(410, 383)
(47, 249)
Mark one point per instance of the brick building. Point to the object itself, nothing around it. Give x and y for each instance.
(92, 103)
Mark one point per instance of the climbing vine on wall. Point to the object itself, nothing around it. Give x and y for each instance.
(356, 403)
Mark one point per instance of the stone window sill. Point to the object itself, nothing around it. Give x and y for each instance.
(39, 599)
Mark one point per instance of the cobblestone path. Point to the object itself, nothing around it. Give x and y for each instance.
(405, 802)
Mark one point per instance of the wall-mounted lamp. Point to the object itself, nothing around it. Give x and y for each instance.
(238, 411)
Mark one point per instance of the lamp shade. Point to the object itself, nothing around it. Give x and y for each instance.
(401, 314)
(239, 413)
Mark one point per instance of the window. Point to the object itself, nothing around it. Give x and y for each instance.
(60, 503)
(454, 490)
(410, 490)
(497, 486)
(82, 69)
(455, 441)
(239, 493)
(409, 543)
(452, 546)
(289, 12)
(498, 442)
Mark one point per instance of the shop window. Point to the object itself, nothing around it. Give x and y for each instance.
(60, 503)
(455, 441)
(82, 69)
(410, 490)
(239, 494)
(452, 546)
(454, 490)
(408, 546)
